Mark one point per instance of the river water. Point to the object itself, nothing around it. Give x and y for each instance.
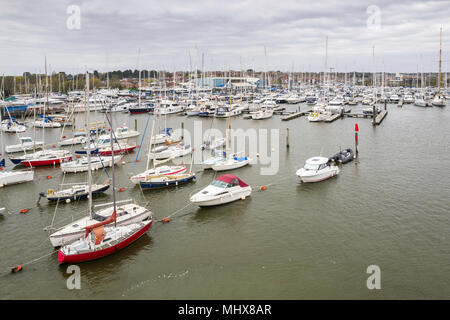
(389, 208)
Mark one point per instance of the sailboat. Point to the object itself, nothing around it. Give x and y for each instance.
(43, 157)
(159, 171)
(231, 161)
(439, 101)
(80, 239)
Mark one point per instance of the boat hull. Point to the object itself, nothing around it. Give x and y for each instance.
(45, 162)
(15, 177)
(88, 256)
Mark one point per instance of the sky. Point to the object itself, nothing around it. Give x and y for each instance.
(285, 35)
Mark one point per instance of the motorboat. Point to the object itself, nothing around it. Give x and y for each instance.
(317, 169)
(420, 102)
(193, 110)
(127, 214)
(343, 156)
(160, 171)
(102, 241)
(97, 162)
(224, 111)
(46, 123)
(408, 99)
(335, 105)
(394, 98)
(369, 111)
(26, 143)
(224, 189)
(168, 107)
(123, 132)
(75, 192)
(264, 113)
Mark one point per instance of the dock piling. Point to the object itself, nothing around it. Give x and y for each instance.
(287, 138)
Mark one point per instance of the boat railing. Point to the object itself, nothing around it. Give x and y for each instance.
(110, 203)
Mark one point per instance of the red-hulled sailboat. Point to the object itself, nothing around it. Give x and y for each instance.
(105, 237)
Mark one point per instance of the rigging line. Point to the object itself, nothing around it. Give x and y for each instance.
(35, 260)
(57, 201)
(142, 141)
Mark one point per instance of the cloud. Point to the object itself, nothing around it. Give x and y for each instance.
(231, 34)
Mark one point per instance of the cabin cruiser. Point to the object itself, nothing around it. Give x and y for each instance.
(26, 143)
(335, 105)
(407, 98)
(369, 111)
(224, 189)
(394, 98)
(264, 113)
(123, 132)
(317, 169)
(420, 102)
(224, 111)
(168, 107)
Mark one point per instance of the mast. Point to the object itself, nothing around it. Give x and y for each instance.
(325, 77)
(374, 77)
(112, 161)
(88, 141)
(440, 65)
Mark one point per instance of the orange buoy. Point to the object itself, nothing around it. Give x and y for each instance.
(24, 210)
(53, 146)
(122, 189)
(17, 269)
(165, 220)
(49, 177)
(63, 137)
(263, 188)
(78, 156)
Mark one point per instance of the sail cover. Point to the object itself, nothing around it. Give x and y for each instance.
(229, 178)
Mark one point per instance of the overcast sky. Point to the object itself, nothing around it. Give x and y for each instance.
(260, 34)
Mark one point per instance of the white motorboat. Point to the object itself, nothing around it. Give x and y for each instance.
(126, 214)
(234, 161)
(224, 111)
(123, 132)
(224, 189)
(15, 177)
(318, 116)
(168, 107)
(161, 170)
(97, 162)
(420, 102)
(394, 98)
(26, 143)
(408, 99)
(317, 169)
(335, 105)
(264, 113)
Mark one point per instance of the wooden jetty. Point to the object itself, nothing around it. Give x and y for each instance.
(332, 117)
(380, 117)
(295, 115)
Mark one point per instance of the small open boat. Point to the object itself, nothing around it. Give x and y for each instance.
(224, 189)
(343, 156)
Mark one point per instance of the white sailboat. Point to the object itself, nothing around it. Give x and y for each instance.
(127, 214)
(438, 100)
